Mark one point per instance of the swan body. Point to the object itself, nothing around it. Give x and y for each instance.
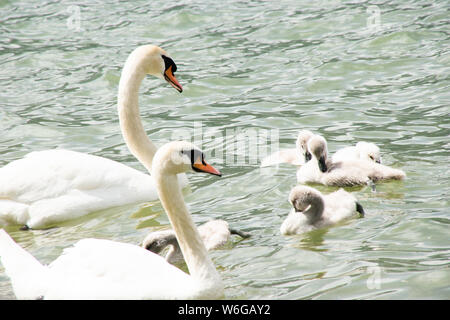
(214, 234)
(51, 186)
(92, 269)
(343, 173)
(105, 269)
(63, 184)
(312, 210)
(362, 150)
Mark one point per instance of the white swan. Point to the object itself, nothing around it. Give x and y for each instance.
(362, 150)
(214, 234)
(343, 173)
(51, 186)
(104, 269)
(298, 156)
(312, 210)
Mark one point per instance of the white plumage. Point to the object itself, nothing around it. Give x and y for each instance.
(361, 151)
(104, 269)
(214, 234)
(312, 210)
(60, 184)
(297, 156)
(342, 173)
(51, 186)
(92, 269)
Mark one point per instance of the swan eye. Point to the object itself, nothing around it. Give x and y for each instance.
(168, 62)
(194, 155)
(371, 158)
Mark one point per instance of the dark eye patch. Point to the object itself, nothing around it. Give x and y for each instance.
(169, 62)
(308, 156)
(154, 246)
(194, 155)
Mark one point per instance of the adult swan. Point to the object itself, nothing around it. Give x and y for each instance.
(105, 269)
(47, 187)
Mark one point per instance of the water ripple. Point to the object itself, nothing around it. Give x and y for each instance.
(280, 66)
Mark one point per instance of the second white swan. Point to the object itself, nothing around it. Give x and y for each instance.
(104, 269)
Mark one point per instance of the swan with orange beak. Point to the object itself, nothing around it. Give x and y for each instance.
(169, 73)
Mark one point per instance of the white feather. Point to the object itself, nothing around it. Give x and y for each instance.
(47, 187)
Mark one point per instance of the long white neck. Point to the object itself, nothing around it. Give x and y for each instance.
(129, 117)
(194, 252)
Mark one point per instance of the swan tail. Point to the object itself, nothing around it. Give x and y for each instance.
(360, 209)
(240, 233)
(383, 172)
(388, 173)
(397, 174)
(22, 268)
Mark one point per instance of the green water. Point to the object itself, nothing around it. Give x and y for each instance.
(349, 70)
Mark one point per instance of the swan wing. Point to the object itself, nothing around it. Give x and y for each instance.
(214, 233)
(346, 153)
(339, 205)
(105, 269)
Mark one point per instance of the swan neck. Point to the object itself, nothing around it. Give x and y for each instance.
(129, 117)
(194, 251)
(315, 211)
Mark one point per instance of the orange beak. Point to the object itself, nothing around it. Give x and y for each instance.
(170, 78)
(205, 167)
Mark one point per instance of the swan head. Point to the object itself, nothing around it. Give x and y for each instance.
(301, 197)
(157, 62)
(369, 151)
(301, 143)
(317, 145)
(180, 156)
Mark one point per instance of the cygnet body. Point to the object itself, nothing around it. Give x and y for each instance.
(214, 233)
(313, 210)
(342, 173)
(361, 151)
(297, 156)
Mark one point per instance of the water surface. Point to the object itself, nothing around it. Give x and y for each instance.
(349, 70)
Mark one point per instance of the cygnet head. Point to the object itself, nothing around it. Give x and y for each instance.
(301, 197)
(301, 143)
(154, 61)
(157, 241)
(369, 151)
(317, 145)
(180, 156)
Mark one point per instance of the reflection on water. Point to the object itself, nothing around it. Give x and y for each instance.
(312, 240)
